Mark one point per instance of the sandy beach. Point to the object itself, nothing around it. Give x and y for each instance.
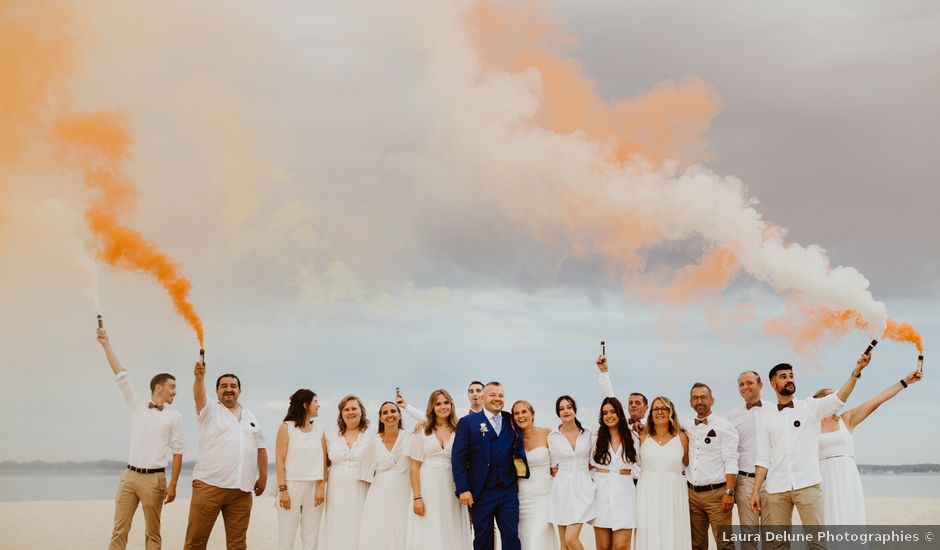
(86, 525)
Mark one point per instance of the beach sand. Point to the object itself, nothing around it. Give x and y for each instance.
(86, 525)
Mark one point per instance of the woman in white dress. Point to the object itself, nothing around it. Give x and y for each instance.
(842, 497)
(386, 466)
(439, 520)
(535, 530)
(345, 492)
(572, 500)
(662, 516)
(613, 462)
(300, 466)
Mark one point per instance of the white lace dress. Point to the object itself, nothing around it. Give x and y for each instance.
(388, 503)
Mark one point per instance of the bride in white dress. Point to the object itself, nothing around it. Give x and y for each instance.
(345, 492)
(439, 520)
(386, 466)
(535, 531)
(842, 497)
(662, 517)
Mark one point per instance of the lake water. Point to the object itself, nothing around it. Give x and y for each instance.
(102, 485)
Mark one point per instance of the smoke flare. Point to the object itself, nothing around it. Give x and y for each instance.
(100, 144)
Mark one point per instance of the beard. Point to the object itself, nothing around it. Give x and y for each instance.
(788, 389)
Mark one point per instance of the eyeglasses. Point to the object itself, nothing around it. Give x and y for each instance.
(661, 409)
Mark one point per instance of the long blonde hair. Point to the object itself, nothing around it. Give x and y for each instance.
(431, 416)
(673, 417)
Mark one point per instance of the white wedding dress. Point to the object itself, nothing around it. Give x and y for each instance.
(345, 493)
(662, 504)
(842, 497)
(535, 531)
(446, 522)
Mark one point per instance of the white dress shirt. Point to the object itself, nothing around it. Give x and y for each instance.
(788, 442)
(228, 447)
(745, 422)
(713, 451)
(155, 435)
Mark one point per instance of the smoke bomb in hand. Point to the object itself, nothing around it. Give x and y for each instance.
(100, 322)
(870, 347)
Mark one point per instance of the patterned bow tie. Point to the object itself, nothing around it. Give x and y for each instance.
(781, 407)
(152, 406)
(702, 421)
(751, 406)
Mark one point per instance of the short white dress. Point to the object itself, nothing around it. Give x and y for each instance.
(345, 492)
(615, 494)
(842, 497)
(387, 506)
(446, 522)
(572, 498)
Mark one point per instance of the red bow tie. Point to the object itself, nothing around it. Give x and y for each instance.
(758, 404)
(152, 406)
(702, 421)
(781, 407)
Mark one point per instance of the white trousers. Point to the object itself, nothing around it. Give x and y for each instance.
(303, 512)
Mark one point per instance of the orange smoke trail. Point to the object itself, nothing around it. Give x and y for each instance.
(807, 326)
(666, 122)
(904, 332)
(710, 276)
(100, 143)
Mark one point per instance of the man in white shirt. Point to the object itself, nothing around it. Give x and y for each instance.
(156, 435)
(744, 419)
(788, 448)
(232, 462)
(474, 396)
(713, 467)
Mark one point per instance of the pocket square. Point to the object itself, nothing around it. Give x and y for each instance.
(711, 433)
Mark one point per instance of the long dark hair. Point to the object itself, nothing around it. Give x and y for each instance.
(363, 420)
(573, 406)
(382, 424)
(297, 410)
(602, 448)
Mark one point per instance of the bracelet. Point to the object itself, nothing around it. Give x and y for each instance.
(903, 383)
(282, 487)
(419, 497)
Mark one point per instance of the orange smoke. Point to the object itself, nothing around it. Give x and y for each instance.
(903, 332)
(100, 144)
(666, 122)
(710, 276)
(807, 326)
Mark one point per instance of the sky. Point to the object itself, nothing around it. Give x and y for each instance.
(422, 194)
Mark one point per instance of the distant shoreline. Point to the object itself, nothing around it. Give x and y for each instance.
(11, 466)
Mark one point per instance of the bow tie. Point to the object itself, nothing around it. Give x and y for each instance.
(702, 421)
(781, 407)
(152, 406)
(632, 421)
(758, 404)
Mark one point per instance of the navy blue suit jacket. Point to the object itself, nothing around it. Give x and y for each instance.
(480, 458)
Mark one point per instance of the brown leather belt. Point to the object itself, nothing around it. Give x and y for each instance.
(623, 471)
(706, 488)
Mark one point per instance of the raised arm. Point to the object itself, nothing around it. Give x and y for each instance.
(854, 417)
(199, 386)
(108, 352)
(846, 390)
(408, 409)
(603, 379)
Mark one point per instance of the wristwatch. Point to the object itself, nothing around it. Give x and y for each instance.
(729, 492)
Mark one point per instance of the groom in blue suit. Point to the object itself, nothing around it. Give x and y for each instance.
(482, 459)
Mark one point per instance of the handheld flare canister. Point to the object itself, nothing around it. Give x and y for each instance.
(920, 363)
(100, 322)
(604, 348)
(202, 356)
(870, 347)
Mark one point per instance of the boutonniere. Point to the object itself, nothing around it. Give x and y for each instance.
(483, 428)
